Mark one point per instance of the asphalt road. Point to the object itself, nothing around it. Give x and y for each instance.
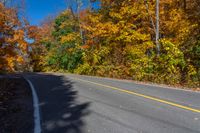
(83, 104)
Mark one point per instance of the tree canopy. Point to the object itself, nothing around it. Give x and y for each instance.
(115, 40)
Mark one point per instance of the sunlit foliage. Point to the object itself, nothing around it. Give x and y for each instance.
(115, 40)
(13, 47)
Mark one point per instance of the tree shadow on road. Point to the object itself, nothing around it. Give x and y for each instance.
(61, 112)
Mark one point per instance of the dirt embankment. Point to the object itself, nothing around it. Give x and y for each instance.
(16, 106)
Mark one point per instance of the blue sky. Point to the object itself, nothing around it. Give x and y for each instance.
(37, 10)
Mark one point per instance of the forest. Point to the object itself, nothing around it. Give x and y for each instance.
(116, 39)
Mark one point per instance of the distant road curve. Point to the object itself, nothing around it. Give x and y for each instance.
(83, 104)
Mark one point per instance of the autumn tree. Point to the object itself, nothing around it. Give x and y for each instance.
(57, 43)
(118, 40)
(13, 47)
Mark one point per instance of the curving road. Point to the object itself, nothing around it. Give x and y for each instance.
(82, 104)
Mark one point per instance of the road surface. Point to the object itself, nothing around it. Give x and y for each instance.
(83, 104)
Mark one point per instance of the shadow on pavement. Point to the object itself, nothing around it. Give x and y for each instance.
(61, 112)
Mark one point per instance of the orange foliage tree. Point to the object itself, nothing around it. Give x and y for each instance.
(13, 46)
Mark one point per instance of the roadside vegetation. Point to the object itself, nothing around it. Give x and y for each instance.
(115, 39)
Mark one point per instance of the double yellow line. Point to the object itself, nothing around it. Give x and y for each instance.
(142, 95)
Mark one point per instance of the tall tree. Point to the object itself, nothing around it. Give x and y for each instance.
(13, 46)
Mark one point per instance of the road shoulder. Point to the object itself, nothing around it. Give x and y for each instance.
(16, 105)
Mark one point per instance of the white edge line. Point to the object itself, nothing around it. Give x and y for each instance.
(37, 126)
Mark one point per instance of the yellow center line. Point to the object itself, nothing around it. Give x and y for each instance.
(144, 96)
